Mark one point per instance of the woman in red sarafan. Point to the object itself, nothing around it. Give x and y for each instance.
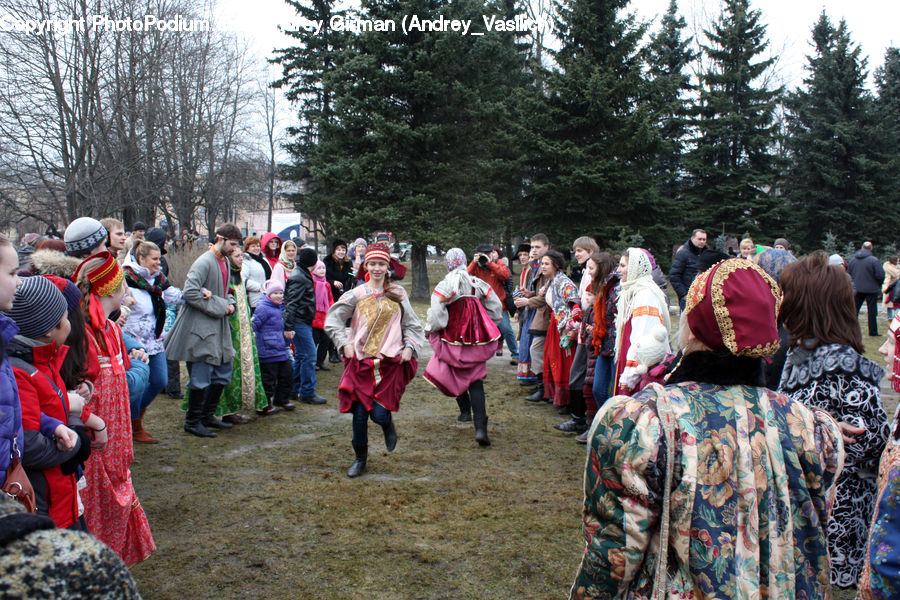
(113, 512)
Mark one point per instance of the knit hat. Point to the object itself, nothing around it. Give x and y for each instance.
(836, 260)
(158, 237)
(378, 251)
(454, 258)
(273, 286)
(29, 239)
(733, 307)
(83, 235)
(69, 290)
(37, 308)
(139, 226)
(782, 242)
(307, 257)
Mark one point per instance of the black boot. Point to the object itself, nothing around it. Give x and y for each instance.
(573, 425)
(538, 394)
(577, 424)
(194, 415)
(479, 413)
(390, 436)
(359, 465)
(209, 408)
(465, 409)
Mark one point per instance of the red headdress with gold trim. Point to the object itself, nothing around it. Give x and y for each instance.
(105, 279)
(734, 306)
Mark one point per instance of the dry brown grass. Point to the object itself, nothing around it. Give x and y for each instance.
(266, 510)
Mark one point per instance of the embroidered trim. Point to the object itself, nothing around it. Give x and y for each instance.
(723, 316)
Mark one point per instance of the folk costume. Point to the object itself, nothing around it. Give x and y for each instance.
(375, 376)
(836, 378)
(565, 318)
(113, 513)
(462, 328)
(880, 579)
(641, 304)
(524, 374)
(712, 486)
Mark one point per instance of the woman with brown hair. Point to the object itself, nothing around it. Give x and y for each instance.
(825, 369)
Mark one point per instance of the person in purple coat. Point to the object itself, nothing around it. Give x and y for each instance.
(272, 347)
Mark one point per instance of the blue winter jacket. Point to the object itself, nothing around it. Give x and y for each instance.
(268, 325)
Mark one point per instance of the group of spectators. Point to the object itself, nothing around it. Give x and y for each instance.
(741, 461)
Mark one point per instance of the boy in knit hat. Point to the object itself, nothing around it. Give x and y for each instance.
(272, 347)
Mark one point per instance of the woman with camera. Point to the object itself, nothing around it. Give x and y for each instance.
(496, 274)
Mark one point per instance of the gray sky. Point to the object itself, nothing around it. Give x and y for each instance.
(871, 22)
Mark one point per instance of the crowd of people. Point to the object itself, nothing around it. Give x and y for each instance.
(750, 454)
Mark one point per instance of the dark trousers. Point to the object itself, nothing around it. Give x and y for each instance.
(174, 384)
(361, 417)
(321, 341)
(871, 301)
(277, 379)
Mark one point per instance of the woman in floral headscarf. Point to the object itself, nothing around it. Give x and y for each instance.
(281, 272)
(641, 305)
(462, 329)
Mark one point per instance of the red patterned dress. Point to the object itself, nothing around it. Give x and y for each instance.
(112, 510)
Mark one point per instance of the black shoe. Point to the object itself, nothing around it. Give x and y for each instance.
(359, 465)
(573, 425)
(216, 423)
(176, 395)
(314, 399)
(390, 436)
(514, 361)
(537, 395)
(324, 367)
(526, 383)
(334, 359)
(464, 417)
(199, 430)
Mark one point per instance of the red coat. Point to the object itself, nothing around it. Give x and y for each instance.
(496, 274)
(37, 395)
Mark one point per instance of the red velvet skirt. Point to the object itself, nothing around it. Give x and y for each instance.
(362, 382)
(557, 364)
(469, 324)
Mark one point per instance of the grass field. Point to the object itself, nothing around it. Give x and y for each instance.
(266, 511)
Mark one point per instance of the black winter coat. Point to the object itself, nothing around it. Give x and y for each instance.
(299, 299)
(866, 272)
(339, 271)
(684, 268)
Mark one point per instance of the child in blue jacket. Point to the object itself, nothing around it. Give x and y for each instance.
(272, 346)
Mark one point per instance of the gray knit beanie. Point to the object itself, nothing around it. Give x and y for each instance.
(37, 308)
(83, 235)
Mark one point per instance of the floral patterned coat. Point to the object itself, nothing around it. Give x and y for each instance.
(753, 484)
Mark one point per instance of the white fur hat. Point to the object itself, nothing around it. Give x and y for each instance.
(651, 349)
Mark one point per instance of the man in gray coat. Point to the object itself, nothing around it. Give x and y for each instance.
(201, 335)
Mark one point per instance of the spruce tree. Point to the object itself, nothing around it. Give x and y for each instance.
(732, 167)
(591, 168)
(836, 165)
(418, 134)
(668, 57)
(887, 117)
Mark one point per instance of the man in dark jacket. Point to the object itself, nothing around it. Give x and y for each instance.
(684, 267)
(299, 311)
(867, 275)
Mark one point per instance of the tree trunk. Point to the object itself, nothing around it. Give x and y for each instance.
(421, 288)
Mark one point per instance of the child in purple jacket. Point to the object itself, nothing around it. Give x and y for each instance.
(272, 346)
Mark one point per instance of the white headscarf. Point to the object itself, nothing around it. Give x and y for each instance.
(639, 277)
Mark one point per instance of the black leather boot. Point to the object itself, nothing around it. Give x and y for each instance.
(390, 436)
(359, 465)
(479, 413)
(538, 394)
(194, 414)
(481, 435)
(465, 409)
(209, 408)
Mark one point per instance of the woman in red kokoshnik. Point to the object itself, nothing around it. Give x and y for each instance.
(379, 351)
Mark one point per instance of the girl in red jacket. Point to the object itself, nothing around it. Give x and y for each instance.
(324, 300)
